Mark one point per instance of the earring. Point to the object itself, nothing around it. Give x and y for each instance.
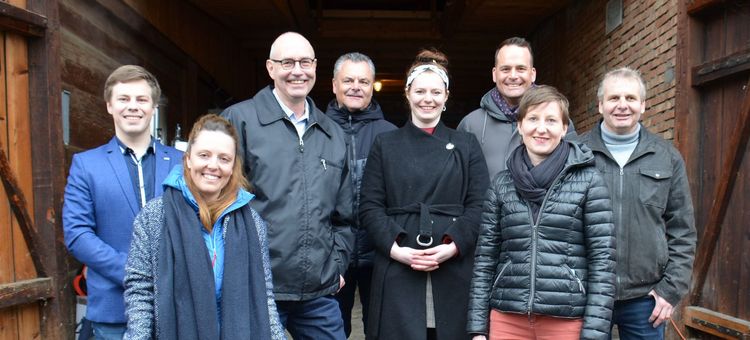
(444, 108)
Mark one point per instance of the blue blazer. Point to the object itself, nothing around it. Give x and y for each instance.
(98, 212)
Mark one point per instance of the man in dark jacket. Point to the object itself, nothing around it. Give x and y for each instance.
(494, 123)
(295, 158)
(653, 210)
(361, 118)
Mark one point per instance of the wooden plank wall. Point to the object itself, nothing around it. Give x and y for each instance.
(97, 37)
(20, 322)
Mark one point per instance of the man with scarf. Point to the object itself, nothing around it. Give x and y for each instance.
(361, 119)
(494, 123)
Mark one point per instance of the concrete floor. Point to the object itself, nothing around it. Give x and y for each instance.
(357, 328)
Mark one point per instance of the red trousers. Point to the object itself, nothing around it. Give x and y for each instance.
(510, 326)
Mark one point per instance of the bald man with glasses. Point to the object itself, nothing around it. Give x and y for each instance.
(295, 158)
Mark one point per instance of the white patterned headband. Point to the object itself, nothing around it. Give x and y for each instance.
(424, 68)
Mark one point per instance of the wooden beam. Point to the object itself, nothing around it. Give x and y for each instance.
(48, 160)
(721, 68)
(697, 6)
(303, 18)
(715, 323)
(18, 205)
(735, 151)
(283, 7)
(21, 21)
(25, 292)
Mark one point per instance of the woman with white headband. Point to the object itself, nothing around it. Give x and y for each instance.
(422, 195)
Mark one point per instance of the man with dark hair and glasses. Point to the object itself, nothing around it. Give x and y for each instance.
(295, 158)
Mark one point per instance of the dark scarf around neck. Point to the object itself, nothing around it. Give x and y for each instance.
(185, 293)
(511, 112)
(532, 182)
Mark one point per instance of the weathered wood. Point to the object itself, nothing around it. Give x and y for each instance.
(687, 98)
(48, 160)
(303, 17)
(697, 6)
(715, 323)
(721, 68)
(19, 157)
(19, 206)
(21, 21)
(8, 317)
(735, 150)
(453, 14)
(25, 292)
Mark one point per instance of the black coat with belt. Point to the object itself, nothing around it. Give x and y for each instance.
(435, 182)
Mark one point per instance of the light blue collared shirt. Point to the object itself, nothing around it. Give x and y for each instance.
(300, 124)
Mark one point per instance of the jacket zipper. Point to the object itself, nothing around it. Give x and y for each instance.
(301, 141)
(619, 218)
(355, 192)
(534, 237)
(304, 184)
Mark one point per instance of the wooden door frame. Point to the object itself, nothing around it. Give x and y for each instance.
(40, 24)
(693, 74)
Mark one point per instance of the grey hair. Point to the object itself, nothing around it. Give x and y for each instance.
(626, 73)
(354, 57)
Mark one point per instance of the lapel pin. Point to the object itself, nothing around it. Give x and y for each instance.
(449, 146)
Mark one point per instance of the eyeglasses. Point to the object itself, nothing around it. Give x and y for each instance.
(288, 64)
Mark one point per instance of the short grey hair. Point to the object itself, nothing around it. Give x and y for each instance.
(354, 57)
(626, 73)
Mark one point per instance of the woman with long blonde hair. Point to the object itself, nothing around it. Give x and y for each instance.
(198, 266)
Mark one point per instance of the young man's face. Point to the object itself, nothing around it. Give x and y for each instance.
(353, 85)
(621, 105)
(513, 73)
(131, 107)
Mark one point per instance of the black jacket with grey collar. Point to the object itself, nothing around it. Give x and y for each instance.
(302, 190)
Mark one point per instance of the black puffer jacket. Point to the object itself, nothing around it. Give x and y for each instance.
(361, 128)
(561, 266)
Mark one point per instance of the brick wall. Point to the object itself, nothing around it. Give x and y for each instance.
(572, 52)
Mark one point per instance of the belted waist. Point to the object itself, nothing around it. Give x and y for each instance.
(424, 238)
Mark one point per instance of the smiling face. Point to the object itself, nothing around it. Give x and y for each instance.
(542, 129)
(292, 85)
(513, 73)
(131, 107)
(352, 85)
(427, 96)
(210, 163)
(621, 105)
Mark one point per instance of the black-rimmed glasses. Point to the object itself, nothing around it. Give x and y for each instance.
(288, 64)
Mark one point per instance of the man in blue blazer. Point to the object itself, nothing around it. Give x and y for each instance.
(107, 187)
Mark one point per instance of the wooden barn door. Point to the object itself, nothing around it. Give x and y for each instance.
(35, 299)
(18, 322)
(713, 126)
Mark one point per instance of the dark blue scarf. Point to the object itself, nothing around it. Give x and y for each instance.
(185, 299)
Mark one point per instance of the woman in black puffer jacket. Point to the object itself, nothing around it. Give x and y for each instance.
(545, 258)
